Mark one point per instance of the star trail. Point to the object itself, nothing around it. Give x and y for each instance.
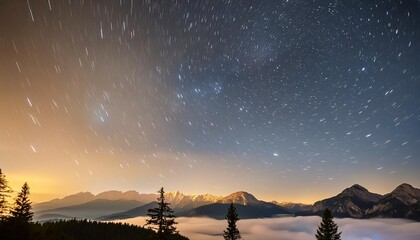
(289, 100)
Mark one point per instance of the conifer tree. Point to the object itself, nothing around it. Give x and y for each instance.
(21, 210)
(162, 219)
(4, 195)
(328, 229)
(231, 232)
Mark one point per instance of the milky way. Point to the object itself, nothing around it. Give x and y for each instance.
(286, 99)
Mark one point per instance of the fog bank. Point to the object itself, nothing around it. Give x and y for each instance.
(292, 228)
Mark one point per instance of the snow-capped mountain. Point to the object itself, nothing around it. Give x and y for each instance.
(205, 198)
(181, 201)
(247, 206)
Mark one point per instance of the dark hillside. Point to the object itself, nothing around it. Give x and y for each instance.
(77, 230)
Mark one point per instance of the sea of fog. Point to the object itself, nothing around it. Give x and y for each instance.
(292, 228)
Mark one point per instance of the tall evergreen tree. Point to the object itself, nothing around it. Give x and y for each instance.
(161, 218)
(327, 230)
(21, 210)
(231, 232)
(4, 195)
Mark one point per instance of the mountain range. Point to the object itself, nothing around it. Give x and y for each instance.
(355, 202)
(114, 204)
(358, 202)
(352, 202)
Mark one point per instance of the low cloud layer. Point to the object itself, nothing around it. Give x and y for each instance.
(292, 228)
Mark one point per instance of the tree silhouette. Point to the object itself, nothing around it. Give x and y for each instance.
(4, 195)
(22, 207)
(161, 218)
(231, 232)
(327, 229)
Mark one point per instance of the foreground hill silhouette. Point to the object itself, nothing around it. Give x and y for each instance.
(81, 230)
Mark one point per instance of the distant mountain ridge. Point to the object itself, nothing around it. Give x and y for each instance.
(355, 202)
(74, 199)
(181, 201)
(135, 212)
(358, 202)
(351, 202)
(218, 211)
(88, 210)
(403, 202)
(247, 206)
(177, 199)
(104, 205)
(294, 207)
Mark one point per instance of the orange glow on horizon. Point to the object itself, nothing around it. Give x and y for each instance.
(42, 188)
(45, 189)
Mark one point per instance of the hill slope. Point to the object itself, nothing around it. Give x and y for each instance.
(403, 202)
(135, 212)
(352, 202)
(219, 210)
(89, 210)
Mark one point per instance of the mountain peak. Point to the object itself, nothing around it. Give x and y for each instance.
(241, 197)
(118, 195)
(406, 193)
(357, 190)
(175, 196)
(403, 202)
(79, 197)
(404, 187)
(358, 187)
(242, 194)
(352, 201)
(205, 198)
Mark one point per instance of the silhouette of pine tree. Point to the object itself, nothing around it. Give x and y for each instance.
(327, 230)
(19, 223)
(22, 207)
(4, 195)
(161, 218)
(231, 232)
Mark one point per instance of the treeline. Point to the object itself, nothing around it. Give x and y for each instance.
(78, 230)
(16, 223)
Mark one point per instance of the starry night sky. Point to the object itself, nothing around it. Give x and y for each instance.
(290, 100)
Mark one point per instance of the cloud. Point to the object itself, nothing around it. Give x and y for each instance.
(292, 228)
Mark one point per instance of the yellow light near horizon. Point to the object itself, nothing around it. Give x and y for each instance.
(41, 188)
